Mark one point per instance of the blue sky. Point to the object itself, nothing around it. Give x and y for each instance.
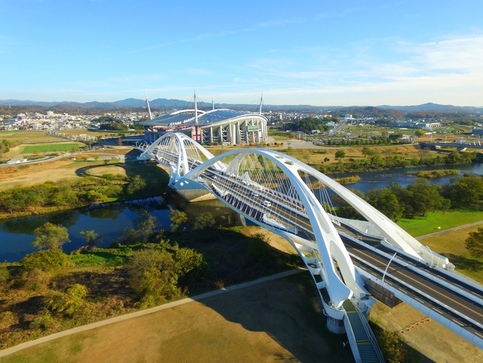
(317, 52)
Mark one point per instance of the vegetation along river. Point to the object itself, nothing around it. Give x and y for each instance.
(109, 220)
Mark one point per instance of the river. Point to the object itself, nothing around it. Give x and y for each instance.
(383, 178)
(17, 235)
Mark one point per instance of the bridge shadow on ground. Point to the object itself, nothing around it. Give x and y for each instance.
(281, 320)
(287, 312)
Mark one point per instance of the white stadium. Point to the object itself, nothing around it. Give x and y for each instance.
(217, 126)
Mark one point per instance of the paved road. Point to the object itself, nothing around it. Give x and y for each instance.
(136, 314)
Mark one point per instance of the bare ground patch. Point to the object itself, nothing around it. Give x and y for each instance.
(432, 340)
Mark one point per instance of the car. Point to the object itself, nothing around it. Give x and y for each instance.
(266, 203)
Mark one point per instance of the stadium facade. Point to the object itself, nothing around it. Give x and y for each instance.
(217, 126)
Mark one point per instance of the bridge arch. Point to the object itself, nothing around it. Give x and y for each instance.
(258, 183)
(177, 151)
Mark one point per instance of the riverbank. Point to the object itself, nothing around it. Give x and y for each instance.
(68, 184)
(276, 320)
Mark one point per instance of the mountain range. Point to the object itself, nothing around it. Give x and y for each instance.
(169, 104)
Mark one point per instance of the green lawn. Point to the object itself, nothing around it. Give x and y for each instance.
(47, 148)
(436, 221)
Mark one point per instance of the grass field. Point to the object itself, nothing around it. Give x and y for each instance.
(27, 137)
(49, 148)
(439, 221)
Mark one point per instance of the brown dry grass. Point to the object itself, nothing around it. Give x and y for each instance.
(432, 340)
(279, 321)
(452, 245)
(32, 174)
(317, 155)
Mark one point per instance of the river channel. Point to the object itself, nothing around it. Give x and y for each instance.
(109, 220)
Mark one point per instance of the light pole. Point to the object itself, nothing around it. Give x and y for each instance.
(392, 258)
(431, 253)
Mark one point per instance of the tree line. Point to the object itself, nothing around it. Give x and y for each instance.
(309, 124)
(420, 198)
(375, 160)
(66, 194)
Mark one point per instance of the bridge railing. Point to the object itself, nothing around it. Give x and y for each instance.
(403, 296)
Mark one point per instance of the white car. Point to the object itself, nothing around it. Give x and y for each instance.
(266, 203)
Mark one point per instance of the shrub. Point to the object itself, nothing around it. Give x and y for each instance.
(153, 276)
(36, 279)
(45, 322)
(48, 260)
(69, 303)
(4, 277)
(204, 220)
(7, 319)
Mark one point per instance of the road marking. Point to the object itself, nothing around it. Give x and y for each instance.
(391, 268)
(418, 299)
(458, 322)
(438, 311)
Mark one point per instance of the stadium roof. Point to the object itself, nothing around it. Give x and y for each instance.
(187, 117)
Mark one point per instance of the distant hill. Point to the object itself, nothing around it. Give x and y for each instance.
(170, 104)
(434, 107)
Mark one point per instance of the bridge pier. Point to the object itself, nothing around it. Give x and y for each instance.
(335, 326)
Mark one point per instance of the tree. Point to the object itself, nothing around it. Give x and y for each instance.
(345, 209)
(135, 184)
(340, 154)
(152, 274)
(186, 260)
(92, 238)
(177, 218)
(147, 226)
(51, 236)
(420, 198)
(367, 151)
(426, 197)
(46, 260)
(4, 277)
(419, 133)
(474, 243)
(203, 220)
(465, 191)
(386, 202)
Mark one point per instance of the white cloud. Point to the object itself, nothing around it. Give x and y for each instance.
(445, 71)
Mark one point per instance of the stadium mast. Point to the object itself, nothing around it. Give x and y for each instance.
(149, 108)
(196, 109)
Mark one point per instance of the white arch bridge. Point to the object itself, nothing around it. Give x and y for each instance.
(346, 258)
